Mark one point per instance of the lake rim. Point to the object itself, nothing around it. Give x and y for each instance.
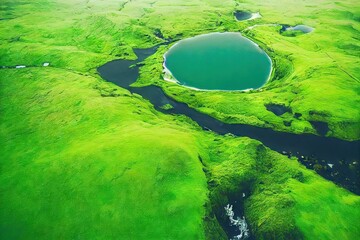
(265, 62)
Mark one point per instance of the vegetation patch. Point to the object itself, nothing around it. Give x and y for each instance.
(85, 159)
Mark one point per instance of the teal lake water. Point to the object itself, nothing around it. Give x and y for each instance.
(218, 61)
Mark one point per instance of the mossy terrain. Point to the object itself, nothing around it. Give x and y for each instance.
(86, 166)
(84, 159)
(314, 74)
(278, 207)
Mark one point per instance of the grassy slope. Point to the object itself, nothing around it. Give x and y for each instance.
(287, 201)
(86, 166)
(303, 63)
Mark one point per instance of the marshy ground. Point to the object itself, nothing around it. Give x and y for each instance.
(82, 158)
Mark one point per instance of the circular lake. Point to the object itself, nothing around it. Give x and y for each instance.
(218, 61)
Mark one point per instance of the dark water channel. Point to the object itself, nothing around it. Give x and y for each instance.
(334, 159)
(242, 15)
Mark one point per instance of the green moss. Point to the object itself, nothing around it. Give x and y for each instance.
(93, 167)
(330, 202)
(167, 107)
(82, 158)
(286, 201)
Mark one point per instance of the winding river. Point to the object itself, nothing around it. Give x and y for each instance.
(335, 155)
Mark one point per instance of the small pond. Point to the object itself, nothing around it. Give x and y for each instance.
(244, 15)
(218, 61)
(301, 28)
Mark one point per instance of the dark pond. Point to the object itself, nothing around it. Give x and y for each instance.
(277, 109)
(321, 128)
(311, 150)
(242, 15)
(301, 28)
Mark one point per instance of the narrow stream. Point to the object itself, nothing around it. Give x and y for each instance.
(336, 159)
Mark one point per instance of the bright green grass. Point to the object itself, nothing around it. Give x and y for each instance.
(79, 164)
(287, 201)
(315, 216)
(87, 166)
